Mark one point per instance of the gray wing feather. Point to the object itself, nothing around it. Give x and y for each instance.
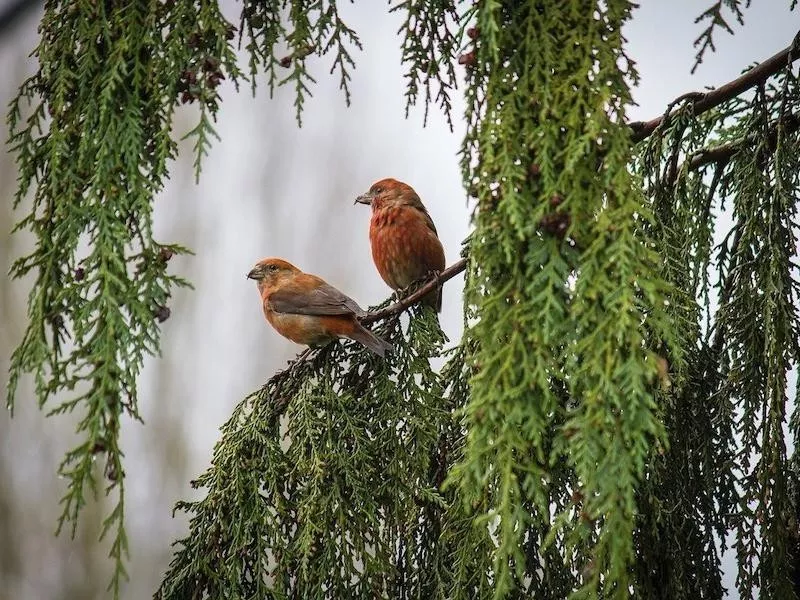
(324, 300)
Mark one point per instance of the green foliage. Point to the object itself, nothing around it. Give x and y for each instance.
(732, 392)
(325, 483)
(307, 27)
(429, 46)
(715, 15)
(569, 282)
(91, 132)
(761, 317)
(617, 406)
(717, 18)
(683, 509)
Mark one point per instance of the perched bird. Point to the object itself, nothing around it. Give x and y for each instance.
(306, 310)
(405, 245)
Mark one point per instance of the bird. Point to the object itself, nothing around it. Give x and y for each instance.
(405, 245)
(306, 310)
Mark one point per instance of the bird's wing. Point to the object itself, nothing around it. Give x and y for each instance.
(429, 222)
(415, 203)
(323, 299)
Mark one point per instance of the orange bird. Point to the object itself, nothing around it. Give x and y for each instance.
(306, 310)
(405, 245)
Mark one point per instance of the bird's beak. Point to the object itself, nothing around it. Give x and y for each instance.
(364, 199)
(254, 273)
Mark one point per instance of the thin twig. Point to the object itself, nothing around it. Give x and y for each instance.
(725, 292)
(703, 102)
(299, 358)
(430, 285)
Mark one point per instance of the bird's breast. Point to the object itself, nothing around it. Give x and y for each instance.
(385, 217)
(404, 248)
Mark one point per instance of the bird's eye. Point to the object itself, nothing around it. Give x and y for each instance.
(378, 190)
(273, 268)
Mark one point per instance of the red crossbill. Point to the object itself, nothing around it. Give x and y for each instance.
(306, 310)
(405, 245)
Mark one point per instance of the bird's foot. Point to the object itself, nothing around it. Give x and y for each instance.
(416, 284)
(433, 274)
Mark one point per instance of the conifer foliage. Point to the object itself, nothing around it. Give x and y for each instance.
(615, 415)
(91, 130)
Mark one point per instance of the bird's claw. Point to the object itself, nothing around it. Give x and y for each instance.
(416, 284)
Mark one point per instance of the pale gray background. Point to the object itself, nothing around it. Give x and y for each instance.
(269, 188)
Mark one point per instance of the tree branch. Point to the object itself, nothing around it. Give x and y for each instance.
(702, 102)
(727, 151)
(430, 285)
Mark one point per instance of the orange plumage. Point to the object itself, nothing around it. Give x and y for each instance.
(405, 245)
(307, 310)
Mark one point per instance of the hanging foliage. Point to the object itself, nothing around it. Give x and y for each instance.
(615, 414)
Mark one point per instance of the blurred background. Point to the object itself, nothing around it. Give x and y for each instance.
(267, 189)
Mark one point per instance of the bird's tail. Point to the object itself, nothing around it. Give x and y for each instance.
(370, 340)
(434, 299)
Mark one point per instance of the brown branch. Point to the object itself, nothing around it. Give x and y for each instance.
(719, 154)
(430, 285)
(726, 151)
(702, 102)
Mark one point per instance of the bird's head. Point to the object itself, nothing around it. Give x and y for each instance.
(390, 193)
(272, 272)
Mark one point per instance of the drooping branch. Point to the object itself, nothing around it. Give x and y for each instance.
(703, 102)
(727, 151)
